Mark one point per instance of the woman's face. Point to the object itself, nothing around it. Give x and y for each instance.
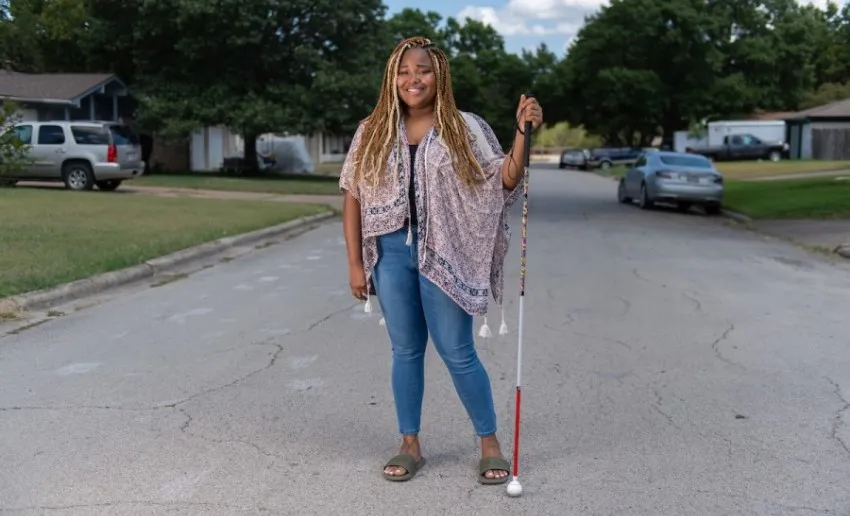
(416, 81)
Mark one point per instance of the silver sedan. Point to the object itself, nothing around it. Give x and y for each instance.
(672, 177)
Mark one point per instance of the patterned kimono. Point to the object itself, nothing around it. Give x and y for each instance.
(462, 233)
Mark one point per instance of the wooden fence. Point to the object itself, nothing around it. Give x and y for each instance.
(831, 144)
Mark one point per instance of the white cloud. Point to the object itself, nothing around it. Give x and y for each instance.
(551, 9)
(534, 17)
(559, 18)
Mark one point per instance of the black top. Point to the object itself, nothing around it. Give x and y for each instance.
(411, 192)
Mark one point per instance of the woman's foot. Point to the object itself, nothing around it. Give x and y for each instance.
(490, 448)
(409, 446)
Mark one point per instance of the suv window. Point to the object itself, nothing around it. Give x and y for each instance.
(88, 135)
(23, 133)
(122, 135)
(51, 135)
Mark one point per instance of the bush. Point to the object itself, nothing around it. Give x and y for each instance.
(13, 153)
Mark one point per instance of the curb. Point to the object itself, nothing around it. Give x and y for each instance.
(737, 217)
(44, 299)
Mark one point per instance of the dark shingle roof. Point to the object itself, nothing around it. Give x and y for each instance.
(43, 87)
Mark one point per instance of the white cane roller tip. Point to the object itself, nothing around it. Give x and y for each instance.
(514, 488)
(368, 307)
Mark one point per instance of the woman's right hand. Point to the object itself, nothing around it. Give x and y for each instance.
(357, 281)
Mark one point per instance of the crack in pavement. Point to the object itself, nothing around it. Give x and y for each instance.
(184, 428)
(269, 341)
(715, 346)
(697, 303)
(656, 406)
(568, 320)
(689, 293)
(839, 416)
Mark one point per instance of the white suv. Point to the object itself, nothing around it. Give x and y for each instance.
(81, 154)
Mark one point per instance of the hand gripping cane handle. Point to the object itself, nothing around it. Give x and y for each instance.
(527, 142)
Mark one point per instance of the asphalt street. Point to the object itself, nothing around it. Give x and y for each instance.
(673, 365)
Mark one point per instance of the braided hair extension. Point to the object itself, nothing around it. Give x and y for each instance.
(380, 128)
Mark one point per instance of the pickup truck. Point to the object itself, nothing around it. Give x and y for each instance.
(740, 147)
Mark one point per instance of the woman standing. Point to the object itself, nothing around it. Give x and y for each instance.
(427, 191)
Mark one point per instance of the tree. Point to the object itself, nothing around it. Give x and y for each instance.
(255, 66)
(43, 36)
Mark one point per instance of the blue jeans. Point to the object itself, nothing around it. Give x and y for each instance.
(413, 307)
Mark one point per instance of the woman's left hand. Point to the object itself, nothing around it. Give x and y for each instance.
(529, 110)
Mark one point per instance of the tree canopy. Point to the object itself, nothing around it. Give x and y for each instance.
(637, 69)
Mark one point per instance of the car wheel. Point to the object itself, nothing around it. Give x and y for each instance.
(109, 186)
(621, 193)
(774, 156)
(605, 165)
(683, 207)
(8, 183)
(645, 202)
(78, 176)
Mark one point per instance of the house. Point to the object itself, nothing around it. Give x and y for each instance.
(209, 146)
(39, 97)
(101, 96)
(821, 132)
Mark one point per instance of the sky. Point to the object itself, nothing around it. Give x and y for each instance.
(523, 23)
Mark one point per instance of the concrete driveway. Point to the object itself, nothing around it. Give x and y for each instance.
(673, 366)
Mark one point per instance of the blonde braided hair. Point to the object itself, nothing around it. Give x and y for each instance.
(381, 127)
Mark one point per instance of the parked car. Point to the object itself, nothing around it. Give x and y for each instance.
(740, 147)
(82, 154)
(573, 158)
(604, 157)
(672, 177)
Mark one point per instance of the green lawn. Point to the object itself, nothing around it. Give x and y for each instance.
(814, 198)
(50, 237)
(756, 169)
(303, 185)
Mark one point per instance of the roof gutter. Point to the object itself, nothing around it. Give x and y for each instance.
(63, 102)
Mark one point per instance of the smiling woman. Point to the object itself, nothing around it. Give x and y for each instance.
(427, 191)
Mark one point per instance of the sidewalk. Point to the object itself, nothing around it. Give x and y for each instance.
(334, 201)
(828, 234)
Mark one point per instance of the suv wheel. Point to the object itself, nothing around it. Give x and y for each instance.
(774, 156)
(78, 176)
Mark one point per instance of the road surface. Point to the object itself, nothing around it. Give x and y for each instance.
(673, 366)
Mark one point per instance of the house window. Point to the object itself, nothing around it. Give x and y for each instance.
(51, 135)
